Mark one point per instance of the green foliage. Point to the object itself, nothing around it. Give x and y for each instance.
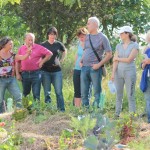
(105, 133)
(12, 25)
(31, 140)
(13, 140)
(62, 140)
(128, 128)
(40, 118)
(69, 15)
(4, 2)
(70, 2)
(140, 144)
(19, 115)
(84, 125)
(91, 143)
(27, 101)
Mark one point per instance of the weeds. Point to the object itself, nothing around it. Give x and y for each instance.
(12, 141)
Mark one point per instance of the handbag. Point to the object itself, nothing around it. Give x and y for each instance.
(104, 72)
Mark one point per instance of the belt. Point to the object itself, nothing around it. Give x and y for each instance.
(30, 71)
(5, 76)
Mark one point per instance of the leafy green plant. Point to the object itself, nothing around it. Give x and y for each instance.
(40, 118)
(12, 141)
(69, 139)
(140, 144)
(65, 135)
(83, 125)
(20, 114)
(105, 133)
(128, 128)
(27, 101)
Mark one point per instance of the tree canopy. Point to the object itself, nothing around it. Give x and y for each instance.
(69, 15)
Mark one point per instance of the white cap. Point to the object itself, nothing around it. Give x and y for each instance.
(125, 29)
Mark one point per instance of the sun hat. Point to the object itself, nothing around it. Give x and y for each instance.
(125, 29)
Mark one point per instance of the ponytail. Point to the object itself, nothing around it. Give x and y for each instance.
(133, 37)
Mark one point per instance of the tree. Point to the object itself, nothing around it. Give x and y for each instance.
(4, 2)
(12, 25)
(69, 15)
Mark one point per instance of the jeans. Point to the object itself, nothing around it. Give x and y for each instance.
(88, 76)
(54, 78)
(12, 86)
(147, 98)
(127, 78)
(77, 84)
(31, 80)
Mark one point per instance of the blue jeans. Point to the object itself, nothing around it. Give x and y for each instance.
(77, 84)
(54, 78)
(89, 75)
(12, 86)
(147, 98)
(31, 80)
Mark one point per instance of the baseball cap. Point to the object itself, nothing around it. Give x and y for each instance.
(125, 29)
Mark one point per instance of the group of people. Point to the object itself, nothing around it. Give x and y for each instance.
(36, 64)
(94, 51)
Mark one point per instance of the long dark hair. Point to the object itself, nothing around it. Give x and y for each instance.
(52, 30)
(4, 41)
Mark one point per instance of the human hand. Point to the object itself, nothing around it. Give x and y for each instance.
(81, 64)
(146, 61)
(112, 77)
(95, 66)
(115, 58)
(41, 64)
(28, 52)
(18, 76)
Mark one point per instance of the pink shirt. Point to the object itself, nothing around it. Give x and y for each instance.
(32, 62)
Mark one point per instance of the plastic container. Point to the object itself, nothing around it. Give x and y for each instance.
(112, 87)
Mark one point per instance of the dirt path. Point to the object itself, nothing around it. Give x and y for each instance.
(45, 135)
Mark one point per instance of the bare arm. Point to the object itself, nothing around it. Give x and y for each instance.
(45, 59)
(63, 55)
(17, 69)
(115, 64)
(145, 61)
(107, 57)
(23, 57)
(76, 57)
(131, 57)
(81, 62)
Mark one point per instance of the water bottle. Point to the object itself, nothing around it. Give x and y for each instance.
(112, 87)
(9, 105)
